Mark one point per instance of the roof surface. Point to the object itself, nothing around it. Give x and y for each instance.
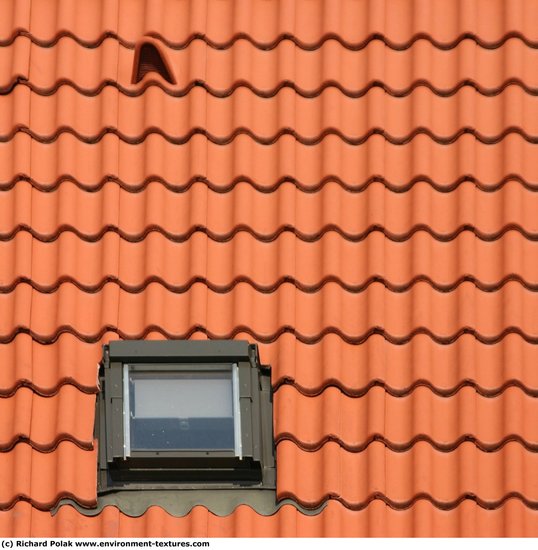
(350, 183)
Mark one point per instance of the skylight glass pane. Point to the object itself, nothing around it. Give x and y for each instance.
(183, 397)
(181, 410)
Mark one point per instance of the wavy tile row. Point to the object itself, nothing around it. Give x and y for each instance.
(350, 21)
(43, 422)
(308, 120)
(468, 519)
(45, 478)
(265, 167)
(401, 422)
(310, 422)
(355, 479)
(265, 71)
(489, 316)
(422, 213)
(402, 478)
(266, 266)
(487, 368)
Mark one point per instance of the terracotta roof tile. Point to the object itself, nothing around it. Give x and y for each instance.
(242, 64)
(400, 422)
(399, 119)
(455, 216)
(422, 519)
(309, 167)
(134, 264)
(44, 368)
(349, 183)
(44, 478)
(350, 21)
(489, 368)
(444, 421)
(45, 421)
(401, 478)
(489, 316)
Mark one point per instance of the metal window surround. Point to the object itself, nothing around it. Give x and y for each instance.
(247, 463)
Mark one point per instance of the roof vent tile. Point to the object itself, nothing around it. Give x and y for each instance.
(149, 59)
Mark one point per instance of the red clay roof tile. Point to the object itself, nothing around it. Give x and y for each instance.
(242, 64)
(400, 422)
(43, 422)
(468, 519)
(399, 119)
(488, 368)
(401, 478)
(350, 21)
(309, 167)
(350, 183)
(265, 266)
(44, 478)
(421, 212)
(44, 368)
(489, 316)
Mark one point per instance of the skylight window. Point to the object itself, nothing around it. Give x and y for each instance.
(184, 407)
(178, 413)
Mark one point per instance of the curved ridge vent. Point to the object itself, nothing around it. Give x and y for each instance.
(149, 59)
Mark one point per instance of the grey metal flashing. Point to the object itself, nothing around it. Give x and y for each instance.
(173, 350)
(180, 503)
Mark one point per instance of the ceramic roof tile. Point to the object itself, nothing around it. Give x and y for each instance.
(309, 167)
(44, 368)
(401, 478)
(242, 64)
(351, 184)
(45, 421)
(354, 216)
(400, 422)
(399, 119)
(468, 519)
(44, 478)
(488, 368)
(90, 264)
(351, 21)
(443, 421)
(489, 316)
